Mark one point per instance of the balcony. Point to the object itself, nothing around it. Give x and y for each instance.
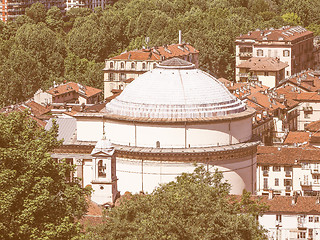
(288, 174)
(305, 183)
(265, 173)
(245, 54)
(315, 171)
(248, 75)
(288, 188)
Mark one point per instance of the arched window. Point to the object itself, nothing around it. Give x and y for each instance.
(154, 65)
(143, 66)
(101, 169)
(111, 64)
(122, 65)
(259, 52)
(133, 66)
(158, 144)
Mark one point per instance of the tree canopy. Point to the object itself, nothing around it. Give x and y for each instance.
(195, 206)
(36, 200)
(47, 38)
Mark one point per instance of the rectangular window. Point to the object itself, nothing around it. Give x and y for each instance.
(316, 219)
(279, 218)
(265, 168)
(286, 53)
(310, 219)
(276, 168)
(287, 182)
(259, 52)
(265, 183)
(276, 181)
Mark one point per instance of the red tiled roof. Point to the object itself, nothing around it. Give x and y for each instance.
(297, 137)
(313, 126)
(263, 64)
(285, 155)
(85, 91)
(308, 80)
(265, 101)
(155, 53)
(37, 109)
(284, 204)
(283, 34)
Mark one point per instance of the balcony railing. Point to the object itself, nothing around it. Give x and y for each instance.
(247, 75)
(288, 188)
(288, 174)
(265, 173)
(245, 54)
(305, 183)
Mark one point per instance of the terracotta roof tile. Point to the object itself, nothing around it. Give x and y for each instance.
(313, 126)
(263, 64)
(155, 53)
(284, 204)
(85, 91)
(285, 155)
(283, 34)
(297, 137)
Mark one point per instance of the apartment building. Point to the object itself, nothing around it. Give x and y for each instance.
(122, 69)
(291, 45)
(291, 217)
(285, 170)
(269, 71)
(10, 9)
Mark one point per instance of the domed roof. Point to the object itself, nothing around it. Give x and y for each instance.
(175, 90)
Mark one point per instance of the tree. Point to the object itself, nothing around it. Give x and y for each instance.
(292, 19)
(37, 12)
(36, 200)
(54, 19)
(195, 206)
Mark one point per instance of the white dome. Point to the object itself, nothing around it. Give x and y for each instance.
(176, 89)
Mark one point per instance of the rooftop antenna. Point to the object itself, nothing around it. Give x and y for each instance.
(147, 39)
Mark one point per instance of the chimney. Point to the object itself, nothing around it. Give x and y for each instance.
(180, 37)
(294, 198)
(270, 196)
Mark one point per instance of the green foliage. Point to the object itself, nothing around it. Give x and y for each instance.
(36, 201)
(37, 12)
(291, 19)
(49, 38)
(195, 206)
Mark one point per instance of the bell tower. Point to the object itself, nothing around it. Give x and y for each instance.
(104, 179)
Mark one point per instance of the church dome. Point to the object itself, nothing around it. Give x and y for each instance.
(175, 90)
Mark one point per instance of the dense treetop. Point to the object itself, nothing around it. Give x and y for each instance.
(36, 201)
(42, 47)
(195, 206)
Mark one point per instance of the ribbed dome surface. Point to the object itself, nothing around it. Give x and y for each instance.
(175, 90)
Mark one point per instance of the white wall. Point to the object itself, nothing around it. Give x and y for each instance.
(89, 130)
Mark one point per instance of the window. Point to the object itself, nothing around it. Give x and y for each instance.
(279, 218)
(266, 73)
(276, 168)
(302, 235)
(265, 183)
(259, 52)
(265, 168)
(111, 64)
(306, 115)
(122, 65)
(101, 169)
(287, 182)
(154, 65)
(143, 66)
(133, 66)
(276, 181)
(111, 76)
(310, 219)
(122, 76)
(286, 53)
(157, 144)
(316, 219)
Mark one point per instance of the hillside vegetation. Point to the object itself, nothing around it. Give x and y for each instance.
(44, 46)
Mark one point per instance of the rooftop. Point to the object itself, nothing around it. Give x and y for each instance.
(85, 91)
(263, 64)
(156, 53)
(283, 34)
